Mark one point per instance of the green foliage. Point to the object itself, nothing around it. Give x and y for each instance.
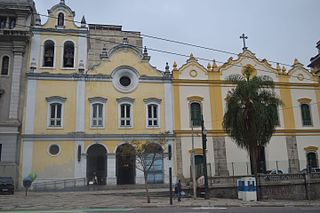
(251, 110)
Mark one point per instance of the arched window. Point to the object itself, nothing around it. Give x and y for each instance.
(68, 54)
(48, 56)
(306, 115)
(60, 20)
(5, 65)
(195, 114)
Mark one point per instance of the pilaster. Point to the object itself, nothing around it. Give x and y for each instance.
(178, 151)
(220, 156)
(80, 106)
(18, 52)
(293, 157)
(111, 176)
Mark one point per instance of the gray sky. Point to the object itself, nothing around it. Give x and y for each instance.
(278, 30)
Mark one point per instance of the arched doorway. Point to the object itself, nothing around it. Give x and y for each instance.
(97, 164)
(126, 164)
(155, 173)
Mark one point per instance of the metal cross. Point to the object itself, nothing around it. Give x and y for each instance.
(244, 37)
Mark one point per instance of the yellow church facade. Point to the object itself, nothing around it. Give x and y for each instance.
(77, 121)
(88, 99)
(199, 90)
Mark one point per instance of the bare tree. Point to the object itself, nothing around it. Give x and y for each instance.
(146, 152)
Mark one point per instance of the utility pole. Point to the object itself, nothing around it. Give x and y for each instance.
(204, 149)
(170, 172)
(193, 165)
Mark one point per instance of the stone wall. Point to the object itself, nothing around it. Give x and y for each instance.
(277, 187)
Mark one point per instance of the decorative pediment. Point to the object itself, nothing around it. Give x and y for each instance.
(298, 73)
(247, 57)
(191, 70)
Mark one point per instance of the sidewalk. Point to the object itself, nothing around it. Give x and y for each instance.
(109, 199)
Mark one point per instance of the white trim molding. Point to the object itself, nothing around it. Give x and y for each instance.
(55, 100)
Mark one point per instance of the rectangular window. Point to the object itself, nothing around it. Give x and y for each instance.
(97, 115)
(0, 151)
(3, 22)
(125, 115)
(12, 22)
(153, 120)
(195, 114)
(55, 115)
(306, 115)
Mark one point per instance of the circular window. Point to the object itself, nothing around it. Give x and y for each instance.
(54, 149)
(125, 81)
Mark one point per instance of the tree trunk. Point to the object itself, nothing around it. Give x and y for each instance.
(146, 187)
(254, 166)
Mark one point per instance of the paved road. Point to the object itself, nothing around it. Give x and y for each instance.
(183, 210)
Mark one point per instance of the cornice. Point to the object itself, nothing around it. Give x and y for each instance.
(93, 137)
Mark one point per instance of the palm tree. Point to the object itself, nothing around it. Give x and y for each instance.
(251, 113)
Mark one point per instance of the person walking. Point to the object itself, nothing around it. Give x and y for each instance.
(179, 190)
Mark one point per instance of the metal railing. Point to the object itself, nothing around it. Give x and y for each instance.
(59, 185)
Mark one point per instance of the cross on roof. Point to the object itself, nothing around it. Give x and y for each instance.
(244, 37)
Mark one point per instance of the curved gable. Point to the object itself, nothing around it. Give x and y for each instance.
(247, 58)
(299, 74)
(54, 12)
(193, 70)
(125, 55)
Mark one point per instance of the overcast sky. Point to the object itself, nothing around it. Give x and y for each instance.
(278, 30)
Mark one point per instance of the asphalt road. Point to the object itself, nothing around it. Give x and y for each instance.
(182, 210)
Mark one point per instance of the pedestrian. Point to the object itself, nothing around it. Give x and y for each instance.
(179, 190)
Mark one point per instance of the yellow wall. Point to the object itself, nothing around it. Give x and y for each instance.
(65, 89)
(216, 101)
(285, 96)
(47, 166)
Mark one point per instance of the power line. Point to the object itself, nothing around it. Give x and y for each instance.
(182, 43)
(151, 49)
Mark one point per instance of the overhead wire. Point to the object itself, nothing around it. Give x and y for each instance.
(161, 51)
(157, 50)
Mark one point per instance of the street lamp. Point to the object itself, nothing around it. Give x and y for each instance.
(204, 149)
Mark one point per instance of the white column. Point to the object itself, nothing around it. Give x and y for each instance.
(139, 174)
(168, 106)
(30, 106)
(82, 51)
(15, 84)
(35, 50)
(27, 158)
(79, 166)
(111, 177)
(80, 110)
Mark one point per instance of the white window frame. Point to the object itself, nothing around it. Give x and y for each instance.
(97, 100)
(153, 101)
(128, 101)
(310, 111)
(55, 100)
(54, 144)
